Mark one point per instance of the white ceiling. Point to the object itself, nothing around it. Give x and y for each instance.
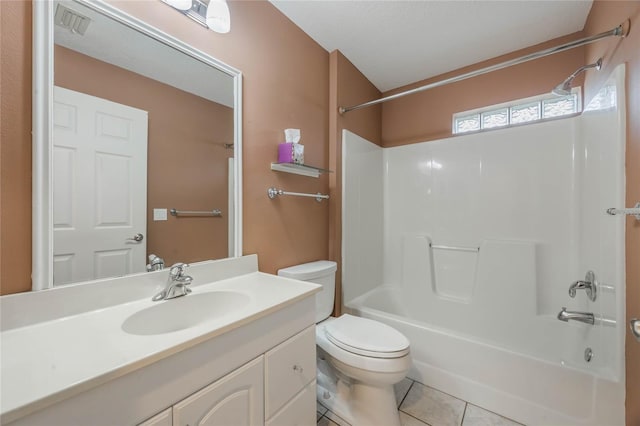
(397, 42)
(119, 45)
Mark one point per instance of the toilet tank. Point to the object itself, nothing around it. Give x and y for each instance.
(321, 272)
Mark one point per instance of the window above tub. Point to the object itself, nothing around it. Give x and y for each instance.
(522, 111)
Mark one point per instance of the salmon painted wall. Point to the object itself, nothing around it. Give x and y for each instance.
(605, 15)
(187, 162)
(15, 146)
(348, 87)
(428, 115)
(285, 84)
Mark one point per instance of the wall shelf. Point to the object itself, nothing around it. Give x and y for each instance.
(299, 169)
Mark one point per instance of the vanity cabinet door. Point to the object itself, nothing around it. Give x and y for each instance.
(300, 411)
(164, 418)
(236, 399)
(289, 367)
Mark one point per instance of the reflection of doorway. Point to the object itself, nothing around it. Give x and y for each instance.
(99, 187)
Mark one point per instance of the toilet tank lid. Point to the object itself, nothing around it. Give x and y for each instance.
(310, 270)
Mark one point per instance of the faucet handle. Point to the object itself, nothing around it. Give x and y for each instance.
(156, 263)
(578, 285)
(184, 280)
(177, 269)
(590, 285)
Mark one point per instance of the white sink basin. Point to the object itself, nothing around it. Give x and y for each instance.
(184, 312)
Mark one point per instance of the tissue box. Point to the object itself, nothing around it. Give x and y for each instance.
(290, 152)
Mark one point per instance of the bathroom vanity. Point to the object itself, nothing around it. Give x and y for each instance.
(240, 349)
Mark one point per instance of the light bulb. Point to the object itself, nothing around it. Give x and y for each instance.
(218, 17)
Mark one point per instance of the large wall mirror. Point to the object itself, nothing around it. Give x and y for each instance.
(137, 147)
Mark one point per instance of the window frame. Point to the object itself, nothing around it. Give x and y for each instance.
(576, 92)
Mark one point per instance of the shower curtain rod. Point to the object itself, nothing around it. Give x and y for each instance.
(621, 30)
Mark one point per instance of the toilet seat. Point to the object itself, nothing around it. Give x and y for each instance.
(366, 337)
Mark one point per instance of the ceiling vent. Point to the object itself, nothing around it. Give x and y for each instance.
(71, 20)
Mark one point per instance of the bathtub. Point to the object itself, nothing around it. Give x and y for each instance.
(530, 390)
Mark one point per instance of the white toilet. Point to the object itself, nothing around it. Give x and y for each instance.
(359, 360)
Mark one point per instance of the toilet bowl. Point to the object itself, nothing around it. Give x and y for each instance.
(359, 360)
(368, 358)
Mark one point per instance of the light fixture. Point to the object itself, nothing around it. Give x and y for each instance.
(213, 14)
(180, 4)
(218, 17)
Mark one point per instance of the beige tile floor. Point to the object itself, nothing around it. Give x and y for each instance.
(422, 405)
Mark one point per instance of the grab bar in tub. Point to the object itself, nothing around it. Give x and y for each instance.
(454, 248)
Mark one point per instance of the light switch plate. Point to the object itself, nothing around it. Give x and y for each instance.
(159, 214)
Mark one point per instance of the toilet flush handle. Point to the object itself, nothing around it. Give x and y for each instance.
(297, 368)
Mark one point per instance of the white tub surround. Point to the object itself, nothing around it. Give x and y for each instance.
(480, 237)
(66, 354)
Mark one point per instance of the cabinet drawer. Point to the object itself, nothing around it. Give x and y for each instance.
(300, 411)
(289, 367)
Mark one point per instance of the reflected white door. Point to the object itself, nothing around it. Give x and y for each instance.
(99, 188)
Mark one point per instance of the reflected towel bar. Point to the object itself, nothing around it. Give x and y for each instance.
(453, 248)
(192, 213)
(635, 211)
(274, 192)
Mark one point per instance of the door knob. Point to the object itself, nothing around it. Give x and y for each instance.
(137, 238)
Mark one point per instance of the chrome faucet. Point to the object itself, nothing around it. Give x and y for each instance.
(155, 263)
(585, 317)
(177, 283)
(589, 285)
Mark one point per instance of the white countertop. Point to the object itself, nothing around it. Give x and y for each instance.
(49, 361)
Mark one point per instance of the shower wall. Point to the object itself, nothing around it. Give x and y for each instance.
(362, 215)
(509, 193)
(601, 157)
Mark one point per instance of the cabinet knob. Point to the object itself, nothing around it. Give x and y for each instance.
(297, 369)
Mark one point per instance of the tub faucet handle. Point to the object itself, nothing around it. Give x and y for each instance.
(589, 285)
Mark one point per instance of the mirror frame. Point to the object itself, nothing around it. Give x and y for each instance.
(42, 128)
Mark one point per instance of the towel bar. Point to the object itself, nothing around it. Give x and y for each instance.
(274, 192)
(635, 211)
(196, 213)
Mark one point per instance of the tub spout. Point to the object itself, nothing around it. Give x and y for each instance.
(585, 317)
